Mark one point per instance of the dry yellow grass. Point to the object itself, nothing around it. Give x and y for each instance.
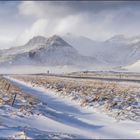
(23, 102)
(109, 95)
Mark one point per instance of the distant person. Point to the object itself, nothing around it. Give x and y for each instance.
(48, 72)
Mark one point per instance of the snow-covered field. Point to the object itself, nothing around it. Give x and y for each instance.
(26, 69)
(53, 116)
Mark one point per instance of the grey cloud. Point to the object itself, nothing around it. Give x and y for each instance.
(93, 6)
(94, 19)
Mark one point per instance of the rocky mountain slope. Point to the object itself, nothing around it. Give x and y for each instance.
(42, 51)
(75, 51)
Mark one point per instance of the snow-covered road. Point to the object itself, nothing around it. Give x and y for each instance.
(67, 119)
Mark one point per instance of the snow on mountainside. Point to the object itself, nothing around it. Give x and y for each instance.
(75, 51)
(120, 39)
(116, 51)
(35, 42)
(52, 51)
(135, 67)
(84, 45)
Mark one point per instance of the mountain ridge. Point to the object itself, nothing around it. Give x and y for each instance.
(50, 51)
(65, 50)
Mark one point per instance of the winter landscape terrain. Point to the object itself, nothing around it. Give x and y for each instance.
(61, 108)
(67, 52)
(50, 89)
(69, 70)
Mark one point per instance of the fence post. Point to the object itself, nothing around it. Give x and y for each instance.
(14, 99)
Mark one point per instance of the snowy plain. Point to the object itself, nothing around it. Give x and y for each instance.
(62, 118)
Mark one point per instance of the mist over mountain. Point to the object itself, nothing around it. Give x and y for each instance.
(116, 51)
(72, 50)
(51, 51)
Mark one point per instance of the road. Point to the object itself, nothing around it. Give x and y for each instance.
(97, 78)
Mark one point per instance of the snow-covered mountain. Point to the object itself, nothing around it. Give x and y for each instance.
(119, 50)
(33, 43)
(39, 50)
(75, 51)
(84, 45)
(135, 67)
(37, 40)
(116, 51)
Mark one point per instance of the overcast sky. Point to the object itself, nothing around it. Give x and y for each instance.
(20, 21)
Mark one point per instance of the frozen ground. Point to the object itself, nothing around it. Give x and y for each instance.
(56, 117)
(26, 69)
(120, 100)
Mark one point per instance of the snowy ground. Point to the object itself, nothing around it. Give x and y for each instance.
(120, 100)
(56, 117)
(26, 69)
